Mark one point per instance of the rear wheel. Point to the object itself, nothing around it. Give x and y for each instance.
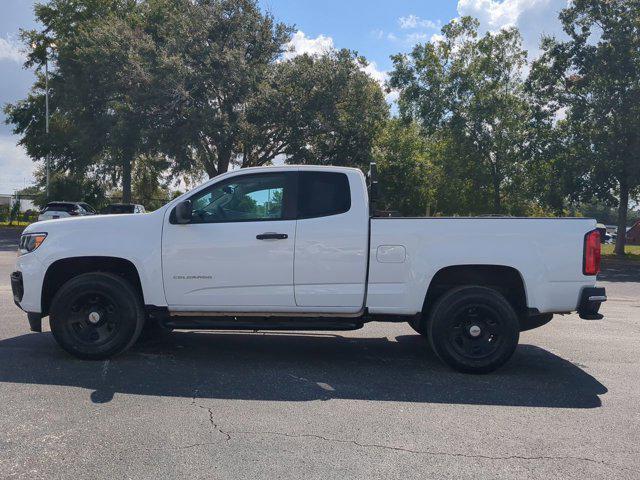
(473, 329)
(96, 315)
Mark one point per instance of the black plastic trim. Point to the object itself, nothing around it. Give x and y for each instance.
(272, 236)
(17, 287)
(482, 218)
(35, 321)
(588, 309)
(262, 323)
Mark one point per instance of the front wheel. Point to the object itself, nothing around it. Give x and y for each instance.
(96, 315)
(473, 329)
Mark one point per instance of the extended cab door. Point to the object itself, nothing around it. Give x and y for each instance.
(237, 253)
(331, 239)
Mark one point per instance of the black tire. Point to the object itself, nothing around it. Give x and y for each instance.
(418, 324)
(95, 316)
(473, 329)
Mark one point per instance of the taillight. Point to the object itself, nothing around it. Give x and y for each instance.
(591, 262)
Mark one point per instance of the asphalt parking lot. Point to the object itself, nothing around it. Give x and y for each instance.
(368, 404)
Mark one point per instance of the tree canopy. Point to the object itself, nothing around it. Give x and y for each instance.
(465, 91)
(143, 92)
(593, 79)
(199, 85)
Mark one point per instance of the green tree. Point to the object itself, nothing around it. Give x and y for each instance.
(408, 179)
(14, 212)
(466, 91)
(139, 78)
(594, 78)
(77, 188)
(315, 110)
(149, 187)
(98, 88)
(193, 85)
(212, 58)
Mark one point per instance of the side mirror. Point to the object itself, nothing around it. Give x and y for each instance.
(183, 212)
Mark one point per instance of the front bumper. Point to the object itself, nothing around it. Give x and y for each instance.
(17, 287)
(590, 300)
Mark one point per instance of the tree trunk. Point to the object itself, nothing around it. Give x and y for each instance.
(127, 159)
(623, 208)
(497, 204)
(223, 161)
(210, 169)
(224, 158)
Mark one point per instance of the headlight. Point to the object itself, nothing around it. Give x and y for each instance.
(30, 241)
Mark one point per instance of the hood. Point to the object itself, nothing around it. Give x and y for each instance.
(115, 222)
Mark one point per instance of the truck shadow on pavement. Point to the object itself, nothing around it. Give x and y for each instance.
(299, 367)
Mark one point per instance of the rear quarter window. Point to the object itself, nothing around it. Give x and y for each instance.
(321, 194)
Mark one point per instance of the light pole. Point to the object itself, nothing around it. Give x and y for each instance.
(51, 46)
(46, 108)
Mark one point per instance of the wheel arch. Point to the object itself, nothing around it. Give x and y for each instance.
(504, 278)
(63, 270)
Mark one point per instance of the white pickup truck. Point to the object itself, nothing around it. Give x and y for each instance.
(296, 248)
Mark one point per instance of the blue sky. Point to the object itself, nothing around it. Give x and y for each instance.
(370, 27)
(374, 28)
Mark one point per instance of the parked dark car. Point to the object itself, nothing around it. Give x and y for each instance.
(53, 210)
(117, 208)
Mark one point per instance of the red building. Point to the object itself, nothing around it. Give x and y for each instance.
(633, 234)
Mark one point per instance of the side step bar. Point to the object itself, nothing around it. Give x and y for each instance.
(262, 323)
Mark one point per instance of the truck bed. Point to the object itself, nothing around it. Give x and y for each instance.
(406, 253)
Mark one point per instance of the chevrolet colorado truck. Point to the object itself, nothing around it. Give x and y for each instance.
(297, 248)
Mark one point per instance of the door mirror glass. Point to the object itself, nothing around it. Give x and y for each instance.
(183, 212)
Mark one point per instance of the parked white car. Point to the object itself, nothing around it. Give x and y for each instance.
(55, 210)
(295, 248)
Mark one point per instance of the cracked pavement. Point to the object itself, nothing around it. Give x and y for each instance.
(372, 404)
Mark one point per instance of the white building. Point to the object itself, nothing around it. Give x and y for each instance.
(9, 200)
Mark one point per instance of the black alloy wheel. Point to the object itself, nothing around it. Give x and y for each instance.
(96, 315)
(473, 329)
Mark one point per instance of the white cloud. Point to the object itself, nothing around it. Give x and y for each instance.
(372, 70)
(377, 33)
(417, 37)
(413, 21)
(392, 97)
(381, 76)
(11, 49)
(534, 18)
(16, 166)
(301, 44)
(436, 37)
